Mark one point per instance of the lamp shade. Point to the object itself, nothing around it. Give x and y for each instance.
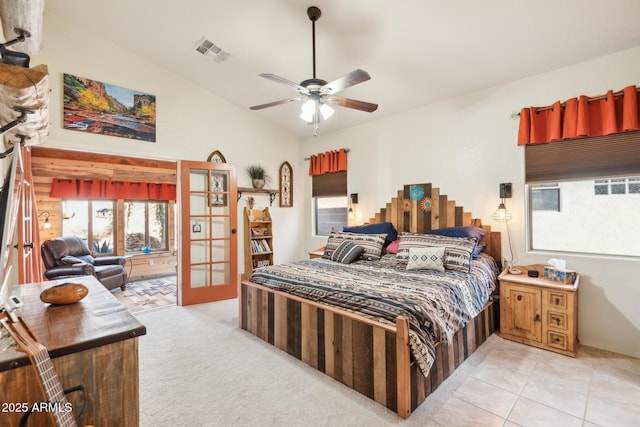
(502, 214)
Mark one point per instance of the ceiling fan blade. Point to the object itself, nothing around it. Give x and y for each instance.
(354, 103)
(282, 80)
(273, 104)
(348, 80)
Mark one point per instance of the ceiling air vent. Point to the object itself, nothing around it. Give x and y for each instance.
(209, 49)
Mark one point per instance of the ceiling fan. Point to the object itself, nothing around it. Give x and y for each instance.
(319, 95)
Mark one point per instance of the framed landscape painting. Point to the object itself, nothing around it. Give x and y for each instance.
(96, 107)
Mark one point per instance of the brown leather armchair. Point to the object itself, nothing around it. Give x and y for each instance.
(66, 257)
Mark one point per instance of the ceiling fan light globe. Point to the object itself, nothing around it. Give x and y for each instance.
(326, 111)
(308, 111)
(307, 116)
(309, 106)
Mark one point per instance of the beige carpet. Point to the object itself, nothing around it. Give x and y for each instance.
(149, 294)
(197, 368)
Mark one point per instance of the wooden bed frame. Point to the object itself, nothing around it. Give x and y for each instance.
(365, 355)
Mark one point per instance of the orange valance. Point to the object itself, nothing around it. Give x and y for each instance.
(328, 162)
(580, 117)
(100, 189)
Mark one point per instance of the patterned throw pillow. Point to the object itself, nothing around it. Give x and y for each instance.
(457, 255)
(372, 244)
(431, 258)
(346, 252)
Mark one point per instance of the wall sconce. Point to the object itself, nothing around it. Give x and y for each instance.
(353, 200)
(47, 223)
(502, 214)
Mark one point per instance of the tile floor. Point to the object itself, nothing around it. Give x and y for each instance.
(518, 385)
(148, 294)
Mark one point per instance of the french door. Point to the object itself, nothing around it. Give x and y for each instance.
(208, 232)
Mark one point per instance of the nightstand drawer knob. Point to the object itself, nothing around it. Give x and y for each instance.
(519, 298)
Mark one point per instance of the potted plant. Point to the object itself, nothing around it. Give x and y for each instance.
(258, 176)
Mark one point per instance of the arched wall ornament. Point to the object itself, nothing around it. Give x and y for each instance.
(216, 157)
(286, 185)
(218, 181)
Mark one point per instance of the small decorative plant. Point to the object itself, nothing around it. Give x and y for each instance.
(258, 175)
(103, 248)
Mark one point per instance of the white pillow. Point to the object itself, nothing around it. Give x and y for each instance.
(429, 258)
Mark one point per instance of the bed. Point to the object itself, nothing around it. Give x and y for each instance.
(369, 323)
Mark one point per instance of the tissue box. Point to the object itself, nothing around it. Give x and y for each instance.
(567, 277)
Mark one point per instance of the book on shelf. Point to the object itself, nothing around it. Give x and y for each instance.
(260, 246)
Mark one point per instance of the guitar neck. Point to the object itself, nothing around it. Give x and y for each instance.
(57, 401)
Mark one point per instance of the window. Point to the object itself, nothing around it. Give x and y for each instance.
(545, 197)
(330, 212)
(599, 180)
(617, 186)
(92, 221)
(330, 203)
(590, 221)
(145, 225)
(601, 186)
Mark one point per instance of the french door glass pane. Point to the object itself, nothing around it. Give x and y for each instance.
(199, 276)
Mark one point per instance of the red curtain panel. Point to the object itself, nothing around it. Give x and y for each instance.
(100, 189)
(581, 116)
(328, 162)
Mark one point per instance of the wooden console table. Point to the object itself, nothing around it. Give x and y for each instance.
(93, 342)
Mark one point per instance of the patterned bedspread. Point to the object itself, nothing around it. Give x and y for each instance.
(436, 304)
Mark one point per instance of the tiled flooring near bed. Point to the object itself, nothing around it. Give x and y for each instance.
(518, 385)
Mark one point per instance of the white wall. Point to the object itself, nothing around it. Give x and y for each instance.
(466, 146)
(191, 122)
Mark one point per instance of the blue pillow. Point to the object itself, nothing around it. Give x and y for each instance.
(463, 231)
(479, 248)
(379, 228)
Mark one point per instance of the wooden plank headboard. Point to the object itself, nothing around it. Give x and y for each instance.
(408, 215)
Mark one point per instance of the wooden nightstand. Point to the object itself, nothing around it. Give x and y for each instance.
(317, 253)
(539, 312)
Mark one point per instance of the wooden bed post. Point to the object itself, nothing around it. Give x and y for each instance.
(403, 367)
